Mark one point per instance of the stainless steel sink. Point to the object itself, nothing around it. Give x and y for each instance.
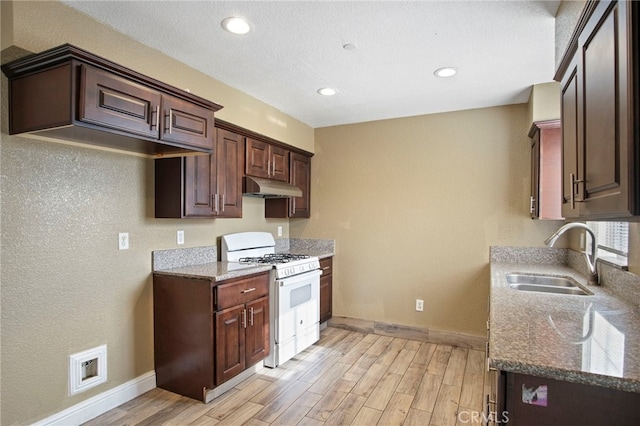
(546, 284)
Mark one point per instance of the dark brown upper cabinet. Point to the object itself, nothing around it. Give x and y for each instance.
(293, 207)
(205, 186)
(600, 84)
(229, 162)
(68, 93)
(265, 160)
(545, 201)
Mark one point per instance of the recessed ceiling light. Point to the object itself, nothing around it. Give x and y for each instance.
(445, 72)
(349, 46)
(327, 91)
(236, 25)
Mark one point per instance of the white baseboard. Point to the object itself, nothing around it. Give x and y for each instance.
(100, 404)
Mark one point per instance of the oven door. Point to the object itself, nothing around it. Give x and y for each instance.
(297, 305)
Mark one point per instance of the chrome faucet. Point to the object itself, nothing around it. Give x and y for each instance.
(591, 260)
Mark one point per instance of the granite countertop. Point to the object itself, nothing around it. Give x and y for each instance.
(201, 262)
(592, 340)
(214, 271)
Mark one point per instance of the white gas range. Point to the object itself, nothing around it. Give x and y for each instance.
(294, 296)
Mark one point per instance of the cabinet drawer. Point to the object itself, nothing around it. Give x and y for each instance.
(242, 291)
(326, 265)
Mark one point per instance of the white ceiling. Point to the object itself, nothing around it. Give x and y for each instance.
(500, 49)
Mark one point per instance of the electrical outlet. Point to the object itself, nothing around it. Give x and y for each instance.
(123, 241)
(419, 305)
(279, 231)
(180, 237)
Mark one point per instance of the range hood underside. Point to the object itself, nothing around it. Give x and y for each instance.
(267, 188)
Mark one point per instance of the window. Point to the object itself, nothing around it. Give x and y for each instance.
(613, 241)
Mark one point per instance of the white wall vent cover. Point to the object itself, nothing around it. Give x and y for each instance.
(87, 369)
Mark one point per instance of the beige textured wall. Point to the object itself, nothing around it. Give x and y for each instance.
(6, 18)
(65, 285)
(414, 204)
(544, 102)
(566, 19)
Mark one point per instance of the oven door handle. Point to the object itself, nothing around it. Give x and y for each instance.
(298, 280)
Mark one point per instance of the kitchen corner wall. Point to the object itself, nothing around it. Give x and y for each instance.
(65, 285)
(414, 204)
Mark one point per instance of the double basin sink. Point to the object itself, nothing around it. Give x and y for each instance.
(546, 284)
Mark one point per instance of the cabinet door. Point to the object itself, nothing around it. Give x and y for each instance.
(114, 102)
(326, 289)
(257, 161)
(570, 142)
(266, 161)
(257, 332)
(546, 170)
(200, 182)
(185, 123)
(279, 163)
(604, 69)
(535, 176)
(230, 343)
(229, 159)
(300, 176)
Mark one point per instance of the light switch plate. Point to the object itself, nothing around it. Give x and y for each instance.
(180, 237)
(123, 241)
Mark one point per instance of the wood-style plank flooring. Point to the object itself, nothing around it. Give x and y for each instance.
(346, 378)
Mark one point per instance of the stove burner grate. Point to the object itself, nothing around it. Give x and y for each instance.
(274, 258)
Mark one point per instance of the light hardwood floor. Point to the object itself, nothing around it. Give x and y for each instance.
(346, 378)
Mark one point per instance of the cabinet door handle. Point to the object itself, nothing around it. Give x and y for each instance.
(251, 317)
(248, 290)
(223, 197)
(244, 318)
(157, 114)
(574, 190)
(532, 204)
(273, 164)
(215, 203)
(269, 167)
(325, 268)
(486, 346)
(573, 185)
(169, 125)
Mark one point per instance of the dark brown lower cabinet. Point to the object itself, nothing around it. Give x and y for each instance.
(532, 400)
(326, 288)
(242, 336)
(207, 332)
